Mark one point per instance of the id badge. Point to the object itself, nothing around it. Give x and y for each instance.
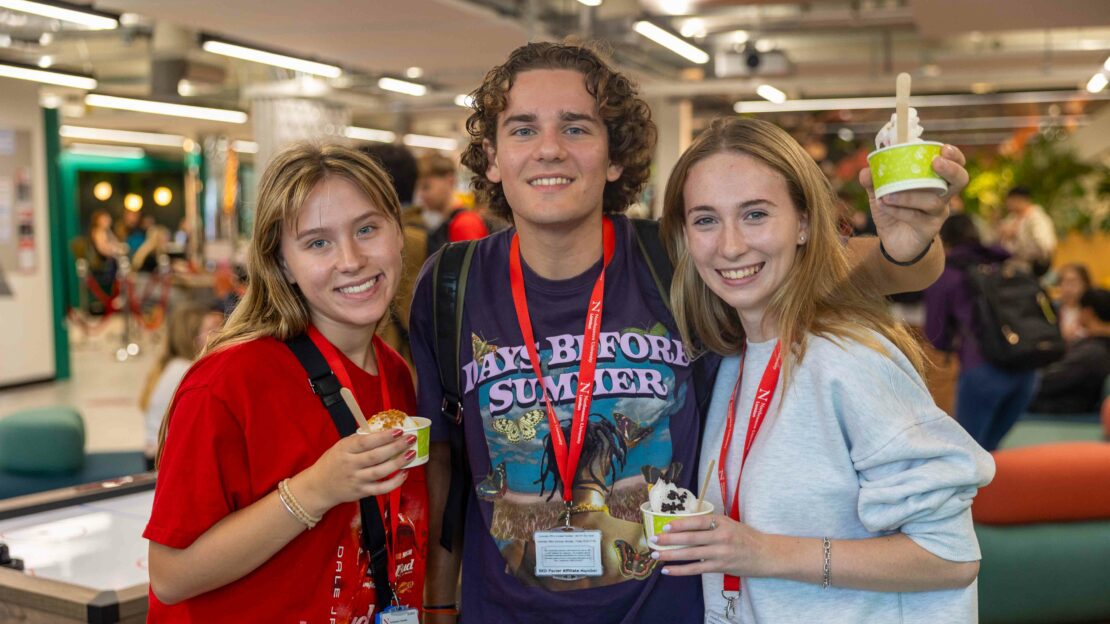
(397, 615)
(568, 553)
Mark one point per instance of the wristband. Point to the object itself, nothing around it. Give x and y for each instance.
(907, 263)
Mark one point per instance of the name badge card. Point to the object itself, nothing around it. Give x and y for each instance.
(398, 615)
(568, 555)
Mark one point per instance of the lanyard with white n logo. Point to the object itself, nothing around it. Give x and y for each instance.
(763, 395)
(566, 458)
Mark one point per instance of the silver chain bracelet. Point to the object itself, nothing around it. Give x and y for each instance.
(827, 545)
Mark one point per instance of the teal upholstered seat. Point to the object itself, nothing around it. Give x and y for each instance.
(48, 440)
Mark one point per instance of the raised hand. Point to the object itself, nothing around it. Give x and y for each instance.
(908, 220)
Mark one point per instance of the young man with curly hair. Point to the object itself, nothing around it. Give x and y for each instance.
(561, 145)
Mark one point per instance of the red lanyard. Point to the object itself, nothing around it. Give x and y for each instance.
(331, 354)
(567, 459)
(763, 396)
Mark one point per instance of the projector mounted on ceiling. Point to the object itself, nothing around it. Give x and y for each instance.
(750, 62)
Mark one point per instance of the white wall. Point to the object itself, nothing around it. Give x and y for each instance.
(26, 326)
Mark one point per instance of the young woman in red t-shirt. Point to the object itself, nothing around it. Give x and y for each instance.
(225, 543)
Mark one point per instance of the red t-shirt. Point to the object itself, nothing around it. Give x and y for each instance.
(244, 418)
(466, 225)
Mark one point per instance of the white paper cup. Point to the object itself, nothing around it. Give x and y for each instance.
(423, 433)
(654, 522)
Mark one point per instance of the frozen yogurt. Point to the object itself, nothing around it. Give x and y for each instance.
(887, 136)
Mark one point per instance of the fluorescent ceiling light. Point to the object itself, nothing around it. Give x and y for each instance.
(430, 142)
(245, 147)
(590, 3)
(109, 151)
(920, 101)
(60, 11)
(270, 58)
(1097, 83)
(693, 27)
(121, 136)
(1106, 64)
(165, 108)
(673, 43)
(770, 94)
(370, 134)
(464, 101)
(54, 77)
(402, 86)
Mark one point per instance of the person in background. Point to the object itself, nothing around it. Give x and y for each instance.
(1027, 231)
(1074, 281)
(989, 399)
(130, 230)
(1073, 384)
(187, 331)
(446, 221)
(399, 163)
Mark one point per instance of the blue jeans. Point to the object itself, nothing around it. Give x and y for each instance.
(989, 400)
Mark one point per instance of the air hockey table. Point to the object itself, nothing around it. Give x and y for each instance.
(84, 556)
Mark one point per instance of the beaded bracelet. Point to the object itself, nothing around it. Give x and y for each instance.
(827, 546)
(294, 507)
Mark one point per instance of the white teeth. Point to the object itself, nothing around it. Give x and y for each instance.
(742, 273)
(550, 181)
(363, 287)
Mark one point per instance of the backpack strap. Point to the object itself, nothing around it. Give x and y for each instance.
(650, 243)
(450, 271)
(326, 385)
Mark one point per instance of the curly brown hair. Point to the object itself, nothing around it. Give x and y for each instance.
(626, 116)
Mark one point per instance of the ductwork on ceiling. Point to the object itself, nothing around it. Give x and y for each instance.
(170, 63)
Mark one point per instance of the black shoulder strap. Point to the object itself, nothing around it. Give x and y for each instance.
(449, 276)
(649, 241)
(326, 386)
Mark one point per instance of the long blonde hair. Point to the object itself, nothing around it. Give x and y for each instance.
(820, 294)
(271, 306)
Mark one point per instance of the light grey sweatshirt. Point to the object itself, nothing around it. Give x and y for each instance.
(853, 448)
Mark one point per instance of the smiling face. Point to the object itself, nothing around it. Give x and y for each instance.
(552, 151)
(345, 255)
(742, 232)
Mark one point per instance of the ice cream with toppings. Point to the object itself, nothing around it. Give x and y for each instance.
(390, 419)
(666, 497)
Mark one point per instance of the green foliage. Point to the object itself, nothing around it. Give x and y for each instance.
(1074, 193)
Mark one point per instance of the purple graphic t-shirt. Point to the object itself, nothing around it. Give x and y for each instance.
(643, 423)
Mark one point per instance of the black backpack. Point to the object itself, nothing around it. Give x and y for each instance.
(1016, 326)
(450, 270)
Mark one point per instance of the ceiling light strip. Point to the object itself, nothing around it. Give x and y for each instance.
(921, 101)
(165, 108)
(370, 134)
(108, 151)
(121, 136)
(672, 42)
(65, 12)
(34, 74)
(274, 59)
(430, 142)
(402, 86)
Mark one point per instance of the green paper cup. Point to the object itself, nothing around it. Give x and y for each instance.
(905, 167)
(423, 433)
(654, 522)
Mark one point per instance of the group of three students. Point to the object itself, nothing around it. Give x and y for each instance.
(578, 390)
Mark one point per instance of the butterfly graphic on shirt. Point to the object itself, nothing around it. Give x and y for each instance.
(631, 431)
(494, 486)
(669, 474)
(481, 347)
(636, 564)
(658, 329)
(520, 429)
